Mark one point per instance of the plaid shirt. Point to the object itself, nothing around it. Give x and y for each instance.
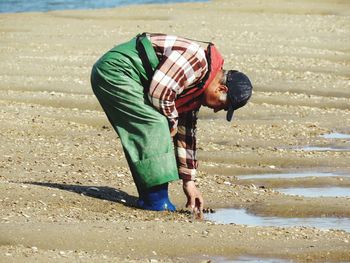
(182, 66)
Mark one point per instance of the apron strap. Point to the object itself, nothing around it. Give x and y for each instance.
(148, 57)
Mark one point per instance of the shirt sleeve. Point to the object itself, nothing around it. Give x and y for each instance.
(185, 145)
(180, 68)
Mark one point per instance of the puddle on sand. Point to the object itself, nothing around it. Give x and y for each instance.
(317, 191)
(332, 148)
(336, 135)
(288, 175)
(250, 259)
(241, 217)
(324, 148)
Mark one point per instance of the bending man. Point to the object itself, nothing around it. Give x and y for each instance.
(151, 89)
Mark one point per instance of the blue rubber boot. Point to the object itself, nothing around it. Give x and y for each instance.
(155, 198)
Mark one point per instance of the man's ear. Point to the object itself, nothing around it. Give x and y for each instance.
(223, 88)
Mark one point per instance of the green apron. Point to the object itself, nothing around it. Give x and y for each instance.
(118, 79)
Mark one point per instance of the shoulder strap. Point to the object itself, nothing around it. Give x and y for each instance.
(148, 58)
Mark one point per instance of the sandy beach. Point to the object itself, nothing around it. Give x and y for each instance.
(66, 194)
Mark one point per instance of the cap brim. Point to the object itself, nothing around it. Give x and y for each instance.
(229, 114)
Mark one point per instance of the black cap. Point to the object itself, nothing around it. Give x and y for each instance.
(239, 91)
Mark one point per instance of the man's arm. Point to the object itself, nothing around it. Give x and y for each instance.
(185, 148)
(185, 145)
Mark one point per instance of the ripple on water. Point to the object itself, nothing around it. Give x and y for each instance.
(242, 217)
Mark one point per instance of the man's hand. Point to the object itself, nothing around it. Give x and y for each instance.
(194, 197)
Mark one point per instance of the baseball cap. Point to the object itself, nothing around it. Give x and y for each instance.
(239, 91)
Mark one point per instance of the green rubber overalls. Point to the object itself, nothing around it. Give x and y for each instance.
(118, 80)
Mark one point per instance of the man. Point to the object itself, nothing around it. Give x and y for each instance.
(151, 89)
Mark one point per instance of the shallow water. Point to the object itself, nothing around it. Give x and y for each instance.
(336, 135)
(317, 191)
(332, 148)
(14, 6)
(240, 216)
(324, 148)
(288, 175)
(248, 259)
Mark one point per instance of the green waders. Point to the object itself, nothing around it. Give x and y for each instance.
(116, 80)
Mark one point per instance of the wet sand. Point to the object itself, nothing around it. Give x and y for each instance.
(66, 193)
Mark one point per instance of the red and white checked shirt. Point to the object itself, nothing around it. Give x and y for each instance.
(183, 65)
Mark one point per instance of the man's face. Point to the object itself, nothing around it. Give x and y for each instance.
(215, 95)
(214, 101)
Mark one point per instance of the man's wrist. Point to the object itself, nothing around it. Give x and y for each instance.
(187, 174)
(187, 181)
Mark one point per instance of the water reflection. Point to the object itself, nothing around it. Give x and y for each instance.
(240, 216)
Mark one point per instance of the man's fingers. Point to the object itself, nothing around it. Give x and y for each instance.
(200, 205)
(190, 203)
(199, 202)
(198, 210)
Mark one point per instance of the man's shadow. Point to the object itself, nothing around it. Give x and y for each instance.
(100, 192)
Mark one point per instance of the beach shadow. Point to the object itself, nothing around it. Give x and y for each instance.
(100, 192)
